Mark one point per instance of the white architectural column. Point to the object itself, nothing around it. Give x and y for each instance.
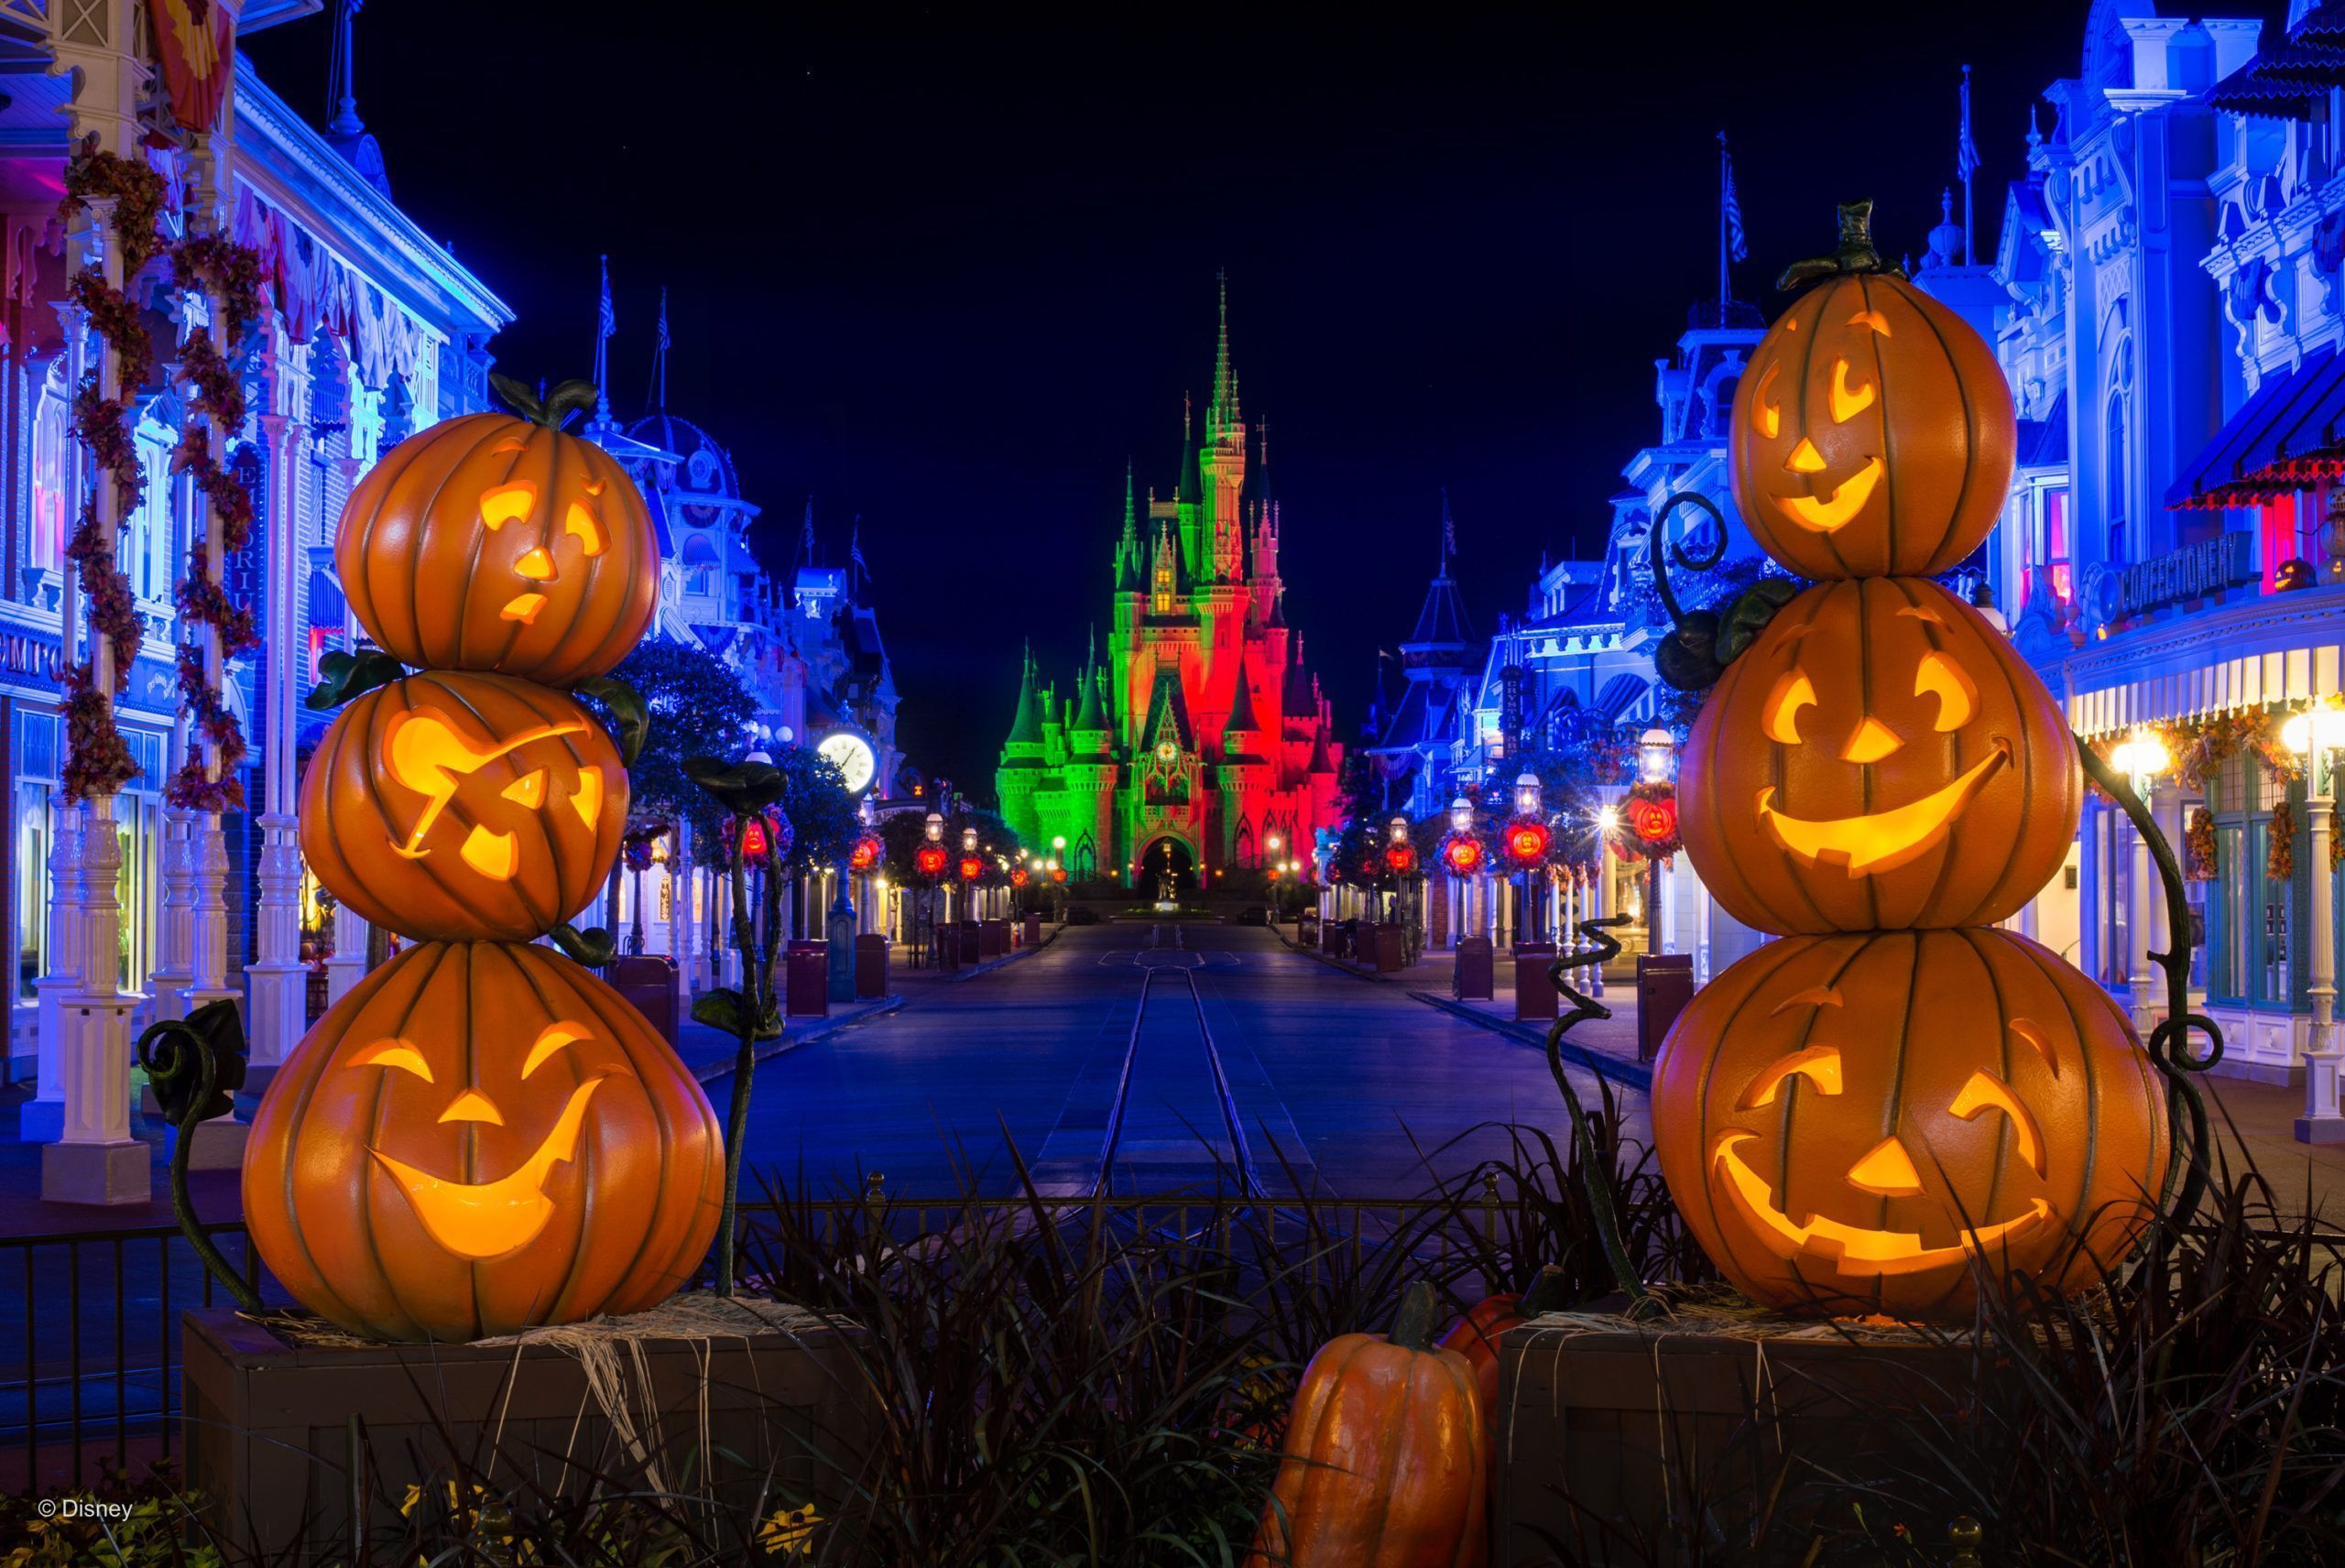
(175, 941)
(348, 967)
(2322, 1121)
(42, 1118)
(276, 980)
(2140, 975)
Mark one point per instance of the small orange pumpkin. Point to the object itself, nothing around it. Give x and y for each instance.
(456, 808)
(1476, 1334)
(1388, 1458)
(482, 1138)
(1878, 757)
(491, 543)
(1849, 1123)
(1873, 433)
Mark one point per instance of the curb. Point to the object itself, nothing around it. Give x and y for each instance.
(1338, 964)
(1603, 1063)
(773, 1048)
(990, 964)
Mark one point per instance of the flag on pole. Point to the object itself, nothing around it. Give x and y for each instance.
(663, 315)
(1966, 151)
(854, 549)
(1738, 246)
(607, 321)
(806, 535)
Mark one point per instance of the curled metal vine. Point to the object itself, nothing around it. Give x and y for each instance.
(2169, 1042)
(1702, 643)
(1603, 949)
(194, 1065)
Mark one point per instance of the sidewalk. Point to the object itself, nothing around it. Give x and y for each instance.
(1604, 1046)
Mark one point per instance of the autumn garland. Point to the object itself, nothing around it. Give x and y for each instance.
(229, 275)
(98, 761)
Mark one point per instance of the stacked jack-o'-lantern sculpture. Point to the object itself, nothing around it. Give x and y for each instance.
(482, 1136)
(1896, 1100)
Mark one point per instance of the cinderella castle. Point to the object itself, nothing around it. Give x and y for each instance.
(1202, 743)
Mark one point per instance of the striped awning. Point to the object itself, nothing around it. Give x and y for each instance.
(2286, 437)
(2250, 680)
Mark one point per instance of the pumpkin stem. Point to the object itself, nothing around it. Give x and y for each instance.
(1547, 1293)
(1412, 1324)
(1855, 253)
(556, 405)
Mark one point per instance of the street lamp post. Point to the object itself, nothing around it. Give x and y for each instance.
(2315, 735)
(1461, 822)
(1656, 764)
(934, 828)
(1526, 807)
(2141, 758)
(1400, 855)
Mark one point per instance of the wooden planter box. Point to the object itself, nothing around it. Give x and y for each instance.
(266, 1424)
(1631, 1443)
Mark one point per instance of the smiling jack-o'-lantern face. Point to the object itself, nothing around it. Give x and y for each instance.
(454, 807)
(1873, 433)
(1878, 758)
(493, 543)
(479, 1138)
(1848, 1122)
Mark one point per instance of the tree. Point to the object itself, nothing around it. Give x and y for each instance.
(821, 812)
(699, 708)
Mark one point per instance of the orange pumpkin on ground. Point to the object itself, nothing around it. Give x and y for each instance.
(1476, 1334)
(1878, 757)
(453, 808)
(1848, 1122)
(1388, 1458)
(491, 543)
(481, 1138)
(1874, 434)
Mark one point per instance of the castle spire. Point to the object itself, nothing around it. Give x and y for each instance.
(1089, 715)
(1224, 410)
(1185, 488)
(1241, 707)
(1026, 728)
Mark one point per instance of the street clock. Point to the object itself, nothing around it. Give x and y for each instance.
(853, 755)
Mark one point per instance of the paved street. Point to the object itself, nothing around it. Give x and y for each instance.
(1331, 1082)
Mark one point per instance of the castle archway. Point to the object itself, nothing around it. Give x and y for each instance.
(1168, 859)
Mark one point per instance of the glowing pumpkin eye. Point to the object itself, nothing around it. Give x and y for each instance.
(529, 789)
(552, 1038)
(1985, 1092)
(508, 504)
(394, 1053)
(588, 799)
(1819, 1064)
(582, 525)
(1792, 694)
(1766, 417)
(1847, 404)
(1958, 696)
(1872, 319)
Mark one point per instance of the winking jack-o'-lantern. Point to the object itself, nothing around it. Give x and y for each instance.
(1873, 433)
(491, 542)
(1848, 1122)
(482, 1137)
(1878, 758)
(454, 806)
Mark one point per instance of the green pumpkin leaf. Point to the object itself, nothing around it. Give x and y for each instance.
(1749, 615)
(630, 715)
(743, 788)
(720, 1009)
(342, 676)
(517, 395)
(592, 947)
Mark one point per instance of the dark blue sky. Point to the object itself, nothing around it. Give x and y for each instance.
(950, 277)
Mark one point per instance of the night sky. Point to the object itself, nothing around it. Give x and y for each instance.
(950, 277)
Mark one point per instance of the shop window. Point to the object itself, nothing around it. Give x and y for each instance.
(2227, 934)
(2052, 541)
(2116, 479)
(2267, 915)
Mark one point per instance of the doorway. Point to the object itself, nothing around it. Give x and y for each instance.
(1167, 870)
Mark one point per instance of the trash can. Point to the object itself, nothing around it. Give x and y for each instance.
(1391, 951)
(1307, 929)
(649, 983)
(1473, 979)
(1033, 930)
(1534, 988)
(806, 980)
(972, 942)
(1664, 985)
(996, 938)
(870, 966)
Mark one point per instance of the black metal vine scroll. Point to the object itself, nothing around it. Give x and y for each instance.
(1599, 1189)
(2169, 1043)
(194, 1064)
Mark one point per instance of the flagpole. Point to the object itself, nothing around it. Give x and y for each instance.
(1725, 290)
(1970, 167)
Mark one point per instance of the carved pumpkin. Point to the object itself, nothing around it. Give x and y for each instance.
(454, 807)
(479, 1138)
(1873, 433)
(494, 543)
(1878, 758)
(1387, 1461)
(1847, 1121)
